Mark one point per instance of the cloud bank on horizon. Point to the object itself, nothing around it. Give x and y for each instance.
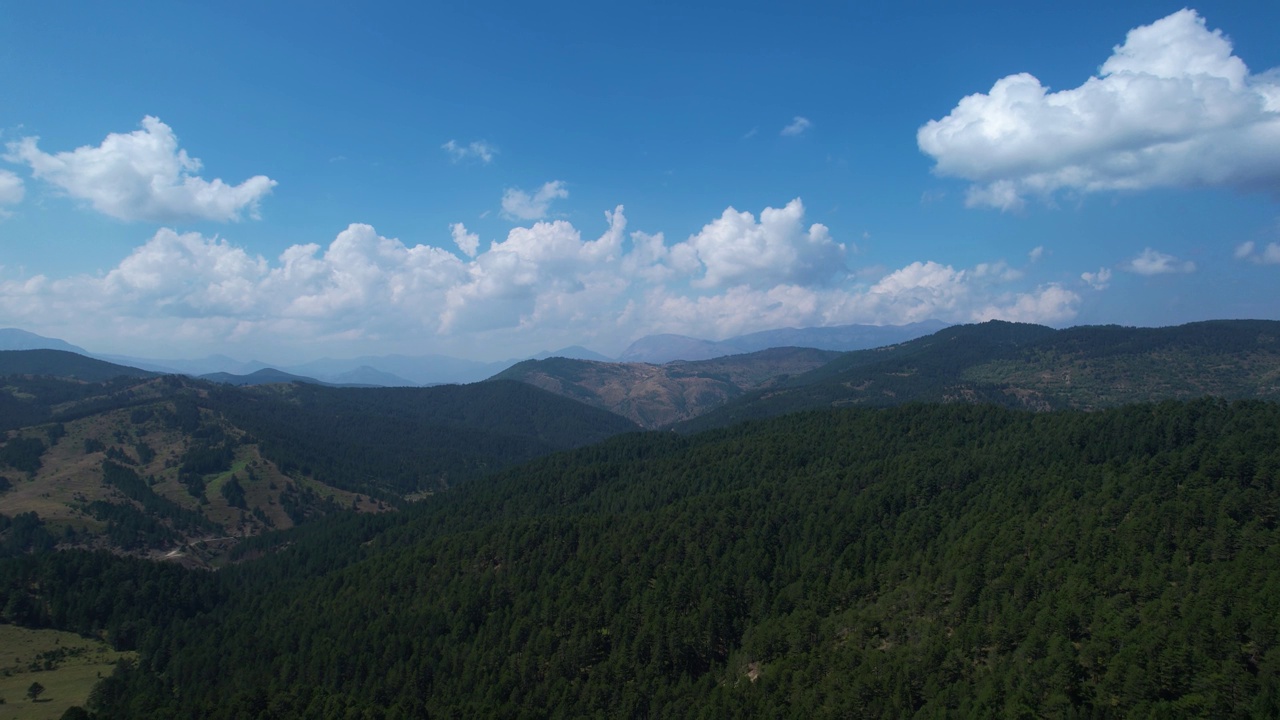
(739, 274)
(1172, 107)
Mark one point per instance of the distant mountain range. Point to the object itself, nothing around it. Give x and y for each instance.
(410, 370)
(666, 348)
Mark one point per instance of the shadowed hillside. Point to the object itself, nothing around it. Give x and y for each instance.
(185, 468)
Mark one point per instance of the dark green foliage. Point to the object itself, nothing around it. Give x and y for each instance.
(22, 453)
(93, 445)
(63, 364)
(55, 432)
(128, 528)
(118, 455)
(121, 599)
(375, 440)
(34, 400)
(1031, 366)
(205, 459)
(135, 488)
(926, 560)
(4, 483)
(24, 533)
(145, 452)
(233, 492)
(186, 414)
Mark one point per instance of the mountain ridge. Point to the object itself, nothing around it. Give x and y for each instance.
(1036, 367)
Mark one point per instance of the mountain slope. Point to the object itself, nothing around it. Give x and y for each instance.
(170, 464)
(61, 363)
(921, 561)
(657, 395)
(265, 376)
(1032, 366)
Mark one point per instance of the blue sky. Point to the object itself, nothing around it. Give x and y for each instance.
(284, 181)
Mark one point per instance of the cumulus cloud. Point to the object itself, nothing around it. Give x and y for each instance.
(541, 282)
(11, 190)
(1270, 255)
(1048, 304)
(142, 175)
(736, 249)
(1172, 107)
(1097, 280)
(520, 205)
(1153, 262)
(477, 149)
(797, 126)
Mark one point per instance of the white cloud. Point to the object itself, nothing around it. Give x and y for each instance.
(467, 242)
(1172, 107)
(478, 149)
(520, 205)
(798, 126)
(142, 175)
(1152, 262)
(1049, 304)
(1036, 253)
(1097, 280)
(540, 285)
(11, 190)
(999, 269)
(736, 249)
(1270, 255)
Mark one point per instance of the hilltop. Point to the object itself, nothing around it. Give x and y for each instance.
(1035, 367)
(657, 395)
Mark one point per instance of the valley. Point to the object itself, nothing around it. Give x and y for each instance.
(987, 520)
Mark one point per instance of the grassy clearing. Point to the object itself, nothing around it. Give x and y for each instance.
(76, 665)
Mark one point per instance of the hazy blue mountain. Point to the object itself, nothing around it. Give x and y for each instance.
(61, 363)
(844, 338)
(370, 377)
(573, 352)
(417, 369)
(194, 367)
(15, 339)
(266, 376)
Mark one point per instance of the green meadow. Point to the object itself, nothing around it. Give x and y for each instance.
(66, 664)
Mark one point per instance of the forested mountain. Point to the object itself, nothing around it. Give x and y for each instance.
(950, 560)
(63, 364)
(656, 395)
(658, 349)
(1032, 366)
(265, 376)
(181, 467)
